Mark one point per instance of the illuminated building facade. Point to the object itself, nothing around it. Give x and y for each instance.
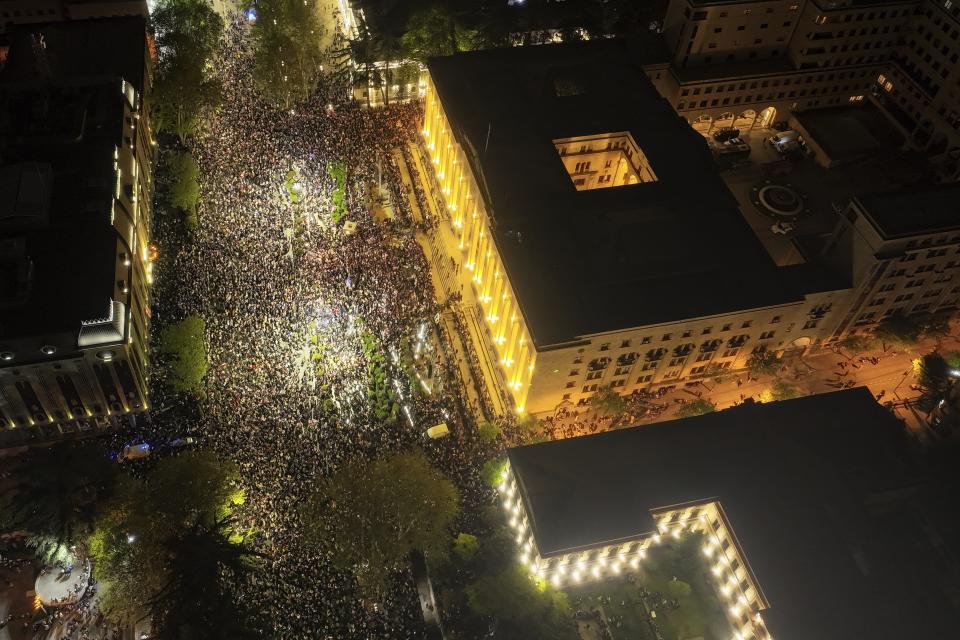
(795, 502)
(589, 234)
(75, 264)
(747, 64)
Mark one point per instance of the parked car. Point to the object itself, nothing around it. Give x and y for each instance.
(726, 133)
(785, 140)
(782, 228)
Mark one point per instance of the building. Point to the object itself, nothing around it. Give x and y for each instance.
(76, 183)
(589, 233)
(13, 12)
(749, 63)
(903, 253)
(816, 521)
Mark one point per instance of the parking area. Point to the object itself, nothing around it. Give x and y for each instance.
(823, 190)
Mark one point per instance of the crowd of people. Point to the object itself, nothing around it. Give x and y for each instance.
(288, 296)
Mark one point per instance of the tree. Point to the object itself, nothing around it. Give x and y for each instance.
(375, 513)
(133, 534)
(763, 363)
(379, 390)
(698, 407)
(780, 391)
(521, 607)
(184, 343)
(488, 432)
(286, 50)
(608, 401)
(196, 599)
(465, 546)
(934, 378)
(898, 330)
(55, 496)
(187, 34)
(184, 185)
(435, 31)
(493, 471)
(859, 343)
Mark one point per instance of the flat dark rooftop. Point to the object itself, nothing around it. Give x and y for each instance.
(67, 134)
(909, 212)
(603, 259)
(107, 47)
(818, 492)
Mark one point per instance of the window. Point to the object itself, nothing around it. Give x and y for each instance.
(766, 335)
(726, 327)
(575, 372)
(746, 324)
(774, 319)
(643, 379)
(810, 324)
(624, 344)
(645, 340)
(695, 370)
(667, 337)
(571, 385)
(677, 361)
(741, 28)
(706, 330)
(687, 333)
(605, 346)
(594, 375)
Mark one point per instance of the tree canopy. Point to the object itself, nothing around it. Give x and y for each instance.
(184, 191)
(195, 601)
(133, 540)
(898, 330)
(187, 34)
(287, 55)
(56, 495)
(763, 363)
(184, 343)
(521, 607)
(859, 343)
(608, 401)
(698, 407)
(436, 31)
(934, 378)
(375, 513)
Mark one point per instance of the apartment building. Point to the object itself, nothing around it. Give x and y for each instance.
(75, 264)
(787, 506)
(903, 251)
(590, 235)
(748, 64)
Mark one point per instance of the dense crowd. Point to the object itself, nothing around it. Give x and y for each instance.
(288, 297)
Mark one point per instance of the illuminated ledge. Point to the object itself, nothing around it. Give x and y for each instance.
(733, 579)
(604, 160)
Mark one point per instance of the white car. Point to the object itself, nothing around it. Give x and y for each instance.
(782, 228)
(134, 452)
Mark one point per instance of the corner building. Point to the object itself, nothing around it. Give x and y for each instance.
(749, 63)
(588, 232)
(815, 521)
(75, 257)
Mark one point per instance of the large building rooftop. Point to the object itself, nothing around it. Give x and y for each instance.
(57, 186)
(914, 211)
(597, 260)
(819, 494)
